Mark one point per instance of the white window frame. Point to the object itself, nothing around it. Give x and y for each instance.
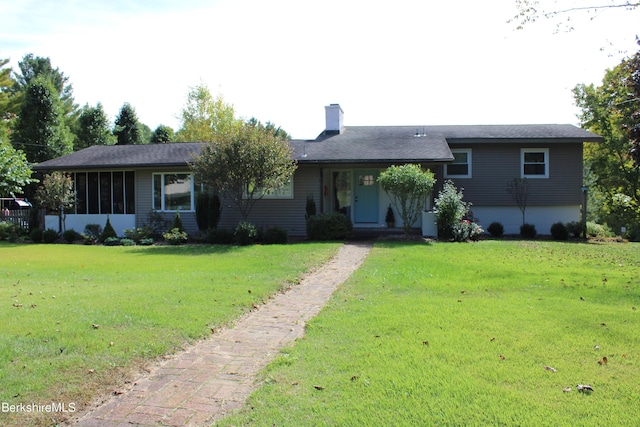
(468, 174)
(162, 193)
(523, 151)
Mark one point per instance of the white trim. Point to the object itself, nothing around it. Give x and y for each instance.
(162, 193)
(546, 162)
(468, 163)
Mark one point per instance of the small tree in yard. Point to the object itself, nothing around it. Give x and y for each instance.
(243, 162)
(450, 210)
(408, 187)
(56, 193)
(519, 190)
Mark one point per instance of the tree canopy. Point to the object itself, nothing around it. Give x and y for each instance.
(41, 130)
(242, 162)
(408, 187)
(127, 127)
(205, 116)
(93, 128)
(612, 110)
(529, 11)
(15, 172)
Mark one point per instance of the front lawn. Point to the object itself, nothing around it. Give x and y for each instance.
(77, 320)
(488, 333)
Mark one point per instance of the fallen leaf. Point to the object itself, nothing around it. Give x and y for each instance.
(318, 387)
(91, 371)
(95, 326)
(492, 339)
(585, 388)
(581, 298)
(354, 377)
(596, 347)
(118, 392)
(603, 361)
(110, 343)
(502, 357)
(633, 308)
(426, 343)
(566, 389)
(549, 368)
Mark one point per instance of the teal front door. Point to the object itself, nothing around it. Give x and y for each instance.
(365, 196)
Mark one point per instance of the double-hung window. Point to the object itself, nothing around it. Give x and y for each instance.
(534, 163)
(461, 165)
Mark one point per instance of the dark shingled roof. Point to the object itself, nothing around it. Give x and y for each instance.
(356, 144)
(125, 156)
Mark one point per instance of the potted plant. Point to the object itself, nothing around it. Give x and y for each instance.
(390, 218)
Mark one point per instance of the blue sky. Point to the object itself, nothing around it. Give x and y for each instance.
(401, 62)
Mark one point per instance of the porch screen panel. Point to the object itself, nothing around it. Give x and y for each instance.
(105, 192)
(118, 193)
(81, 192)
(129, 192)
(93, 190)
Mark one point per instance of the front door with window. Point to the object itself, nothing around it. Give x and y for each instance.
(365, 196)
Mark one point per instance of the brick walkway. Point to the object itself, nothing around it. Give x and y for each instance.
(215, 376)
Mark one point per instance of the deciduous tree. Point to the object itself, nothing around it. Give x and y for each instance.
(242, 162)
(56, 193)
(162, 134)
(611, 110)
(15, 172)
(204, 116)
(408, 186)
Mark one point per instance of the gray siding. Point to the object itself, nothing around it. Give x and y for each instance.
(495, 165)
(285, 213)
(144, 199)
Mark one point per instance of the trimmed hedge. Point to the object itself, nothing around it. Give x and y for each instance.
(329, 226)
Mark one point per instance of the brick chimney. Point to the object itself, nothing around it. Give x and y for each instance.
(334, 118)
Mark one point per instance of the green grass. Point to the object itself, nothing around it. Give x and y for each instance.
(460, 334)
(145, 301)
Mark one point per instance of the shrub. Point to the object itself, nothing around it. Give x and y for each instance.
(70, 235)
(275, 236)
(310, 209)
(177, 223)
(175, 237)
(597, 231)
(49, 235)
(208, 210)
(146, 242)
(528, 231)
(329, 226)
(450, 209)
(220, 236)
(127, 242)
(496, 229)
(559, 231)
(140, 233)
(36, 235)
(574, 228)
(107, 232)
(93, 231)
(245, 233)
(112, 241)
(157, 223)
(466, 230)
(8, 231)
